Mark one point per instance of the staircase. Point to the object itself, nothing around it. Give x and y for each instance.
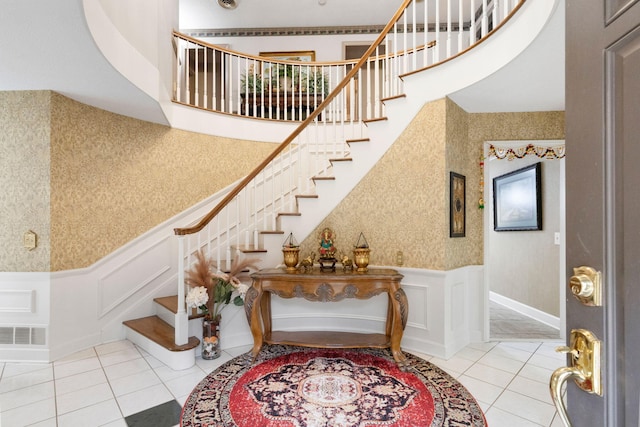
(303, 207)
(156, 333)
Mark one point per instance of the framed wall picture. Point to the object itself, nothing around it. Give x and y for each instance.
(517, 200)
(292, 55)
(457, 197)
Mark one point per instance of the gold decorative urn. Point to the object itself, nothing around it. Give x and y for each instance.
(291, 252)
(361, 254)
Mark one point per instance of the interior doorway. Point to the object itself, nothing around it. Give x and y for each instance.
(364, 92)
(525, 269)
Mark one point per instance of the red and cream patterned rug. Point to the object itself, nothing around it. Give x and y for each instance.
(301, 387)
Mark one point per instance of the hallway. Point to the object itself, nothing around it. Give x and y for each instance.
(506, 324)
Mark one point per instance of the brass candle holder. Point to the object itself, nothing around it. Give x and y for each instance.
(291, 253)
(361, 254)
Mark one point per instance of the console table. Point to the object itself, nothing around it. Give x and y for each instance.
(322, 286)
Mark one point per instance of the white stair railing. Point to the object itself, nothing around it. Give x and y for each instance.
(331, 99)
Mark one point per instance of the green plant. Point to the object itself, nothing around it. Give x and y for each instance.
(315, 82)
(251, 82)
(305, 79)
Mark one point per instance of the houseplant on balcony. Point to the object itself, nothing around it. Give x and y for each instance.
(211, 291)
(315, 82)
(279, 77)
(251, 81)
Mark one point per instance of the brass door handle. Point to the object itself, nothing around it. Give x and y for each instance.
(584, 369)
(559, 377)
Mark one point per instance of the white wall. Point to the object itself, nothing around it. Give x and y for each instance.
(524, 266)
(328, 48)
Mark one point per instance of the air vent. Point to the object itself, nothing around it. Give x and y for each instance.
(228, 4)
(23, 335)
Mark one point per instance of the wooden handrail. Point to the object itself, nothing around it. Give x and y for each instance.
(310, 118)
(304, 63)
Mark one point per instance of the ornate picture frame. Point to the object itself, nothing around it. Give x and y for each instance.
(292, 55)
(517, 200)
(457, 205)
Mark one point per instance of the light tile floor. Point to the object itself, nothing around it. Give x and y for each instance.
(104, 385)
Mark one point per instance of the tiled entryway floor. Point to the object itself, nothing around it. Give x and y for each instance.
(114, 384)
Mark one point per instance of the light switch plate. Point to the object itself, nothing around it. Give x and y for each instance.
(30, 240)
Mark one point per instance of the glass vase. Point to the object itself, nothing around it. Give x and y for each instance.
(211, 338)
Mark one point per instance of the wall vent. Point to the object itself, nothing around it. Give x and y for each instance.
(23, 335)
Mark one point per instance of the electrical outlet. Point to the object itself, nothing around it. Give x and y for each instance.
(556, 238)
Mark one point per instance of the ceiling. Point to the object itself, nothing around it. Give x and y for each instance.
(46, 45)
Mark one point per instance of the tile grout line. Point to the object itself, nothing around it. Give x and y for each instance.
(510, 382)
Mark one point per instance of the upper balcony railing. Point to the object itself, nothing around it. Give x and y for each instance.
(330, 99)
(428, 32)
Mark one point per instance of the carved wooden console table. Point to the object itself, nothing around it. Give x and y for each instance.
(323, 286)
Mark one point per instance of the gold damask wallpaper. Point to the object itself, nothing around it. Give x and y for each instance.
(87, 181)
(403, 203)
(24, 179)
(399, 205)
(102, 179)
(114, 177)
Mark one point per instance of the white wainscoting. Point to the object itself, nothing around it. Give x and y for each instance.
(24, 305)
(446, 309)
(446, 312)
(78, 309)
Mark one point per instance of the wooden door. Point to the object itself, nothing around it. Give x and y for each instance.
(603, 198)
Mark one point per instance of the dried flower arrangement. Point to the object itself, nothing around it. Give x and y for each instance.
(218, 287)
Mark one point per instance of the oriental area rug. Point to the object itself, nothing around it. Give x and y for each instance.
(290, 386)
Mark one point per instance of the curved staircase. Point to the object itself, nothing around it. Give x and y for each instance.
(362, 151)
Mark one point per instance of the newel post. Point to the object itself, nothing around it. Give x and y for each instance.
(181, 318)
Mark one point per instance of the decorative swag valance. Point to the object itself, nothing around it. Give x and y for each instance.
(540, 149)
(508, 150)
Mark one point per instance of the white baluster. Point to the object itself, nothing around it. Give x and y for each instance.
(436, 51)
(460, 26)
(472, 27)
(448, 28)
(181, 319)
(485, 21)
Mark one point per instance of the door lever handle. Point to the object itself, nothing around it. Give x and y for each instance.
(584, 369)
(559, 377)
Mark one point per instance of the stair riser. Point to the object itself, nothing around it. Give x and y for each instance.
(176, 360)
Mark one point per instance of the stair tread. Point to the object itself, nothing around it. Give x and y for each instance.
(160, 332)
(341, 159)
(325, 178)
(349, 141)
(289, 214)
(171, 304)
(378, 119)
(306, 196)
(402, 95)
(272, 232)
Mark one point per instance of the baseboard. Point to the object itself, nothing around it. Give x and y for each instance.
(526, 310)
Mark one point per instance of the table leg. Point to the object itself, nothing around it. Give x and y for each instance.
(399, 313)
(252, 304)
(265, 311)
